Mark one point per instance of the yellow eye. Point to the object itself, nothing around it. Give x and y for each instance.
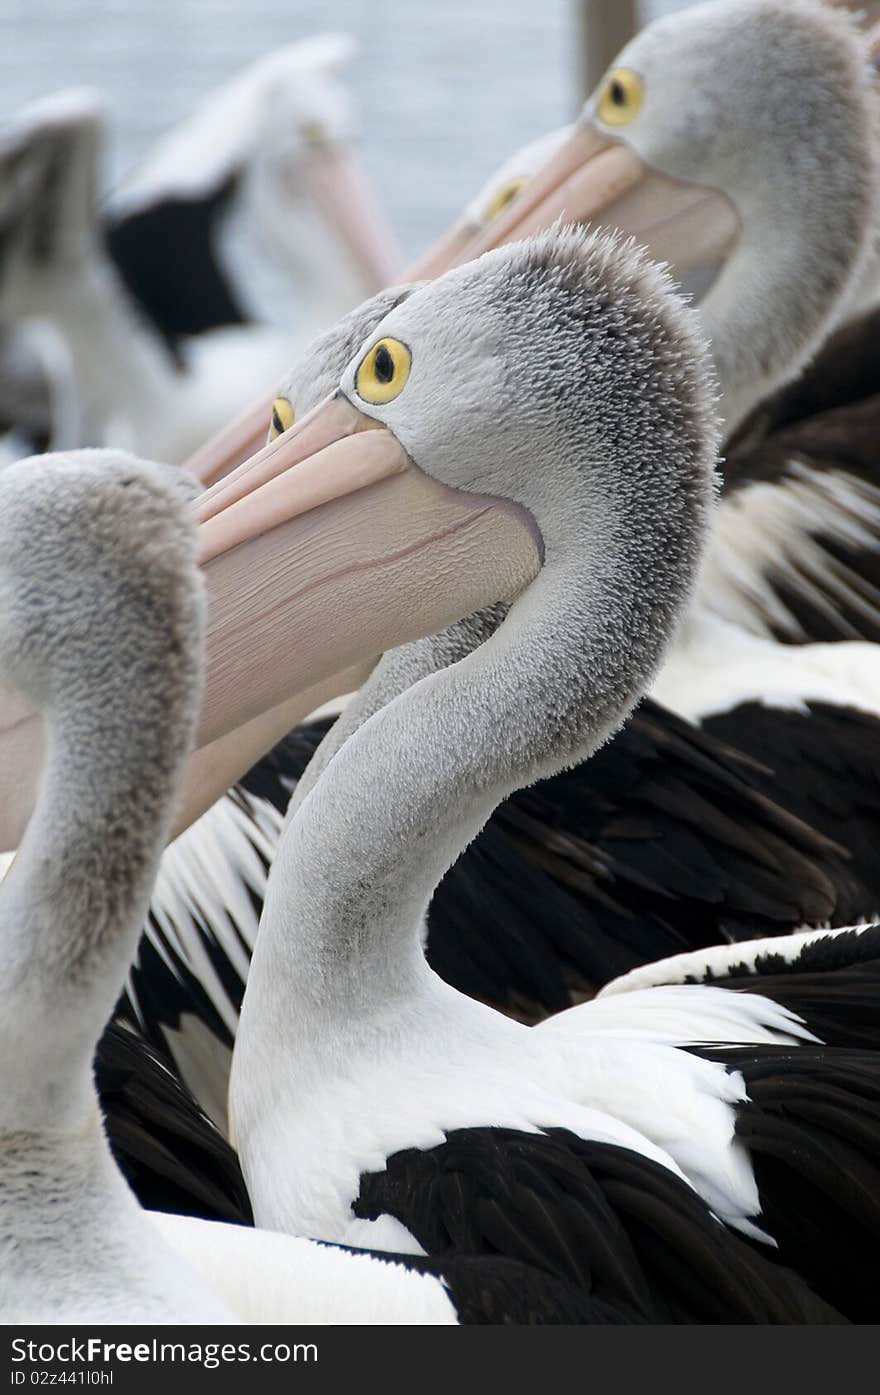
(282, 417)
(622, 97)
(505, 195)
(384, 371)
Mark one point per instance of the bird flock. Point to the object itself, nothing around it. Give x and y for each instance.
(536, 979)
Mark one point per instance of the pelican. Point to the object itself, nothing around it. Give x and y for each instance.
(666, 839)
(637, 855)
(74, 1242)
(738, 140)
(102, 600)
(150, 369)
(805, 713)
(568, 354)
(590, 310)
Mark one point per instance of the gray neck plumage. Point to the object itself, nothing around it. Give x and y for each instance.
(398, 670)
(413, 775)
(783, 291)
(74, 901)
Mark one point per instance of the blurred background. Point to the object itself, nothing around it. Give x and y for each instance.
(445, 88)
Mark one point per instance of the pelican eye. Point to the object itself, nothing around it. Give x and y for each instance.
(505, 195)
(282, 417)
(383, 372)
(621, 99)
(313, 133)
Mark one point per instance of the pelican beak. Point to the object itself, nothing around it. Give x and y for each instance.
(326, 548)
(594, 178)
(330, 546)
(340, 189)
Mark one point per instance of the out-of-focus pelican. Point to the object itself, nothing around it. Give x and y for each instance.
(163, 325)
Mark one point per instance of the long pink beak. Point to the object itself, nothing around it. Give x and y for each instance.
(341, 190)
(594, 178)
(326, 548)
(332, 499)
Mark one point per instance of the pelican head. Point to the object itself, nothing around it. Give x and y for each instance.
(490, 379)
(738, 141)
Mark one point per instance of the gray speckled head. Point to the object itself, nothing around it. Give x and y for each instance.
(534, 362)
(771, 102)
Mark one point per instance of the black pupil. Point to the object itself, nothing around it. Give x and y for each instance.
(276, 422)
(384, 365)
(618, 93)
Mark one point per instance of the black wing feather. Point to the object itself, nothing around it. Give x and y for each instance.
(824, 425)
(173, 1157)
(166, 254)
(601, 1219)
(812, 1127)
